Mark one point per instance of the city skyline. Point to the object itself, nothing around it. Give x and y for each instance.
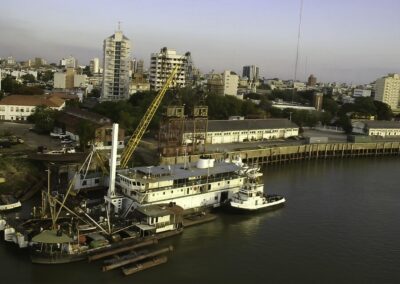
(344, 41)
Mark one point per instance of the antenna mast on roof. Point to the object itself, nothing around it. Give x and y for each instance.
(297, 50)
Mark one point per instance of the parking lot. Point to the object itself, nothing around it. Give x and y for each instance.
(31, 139)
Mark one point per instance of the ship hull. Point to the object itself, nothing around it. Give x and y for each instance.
(250, 210)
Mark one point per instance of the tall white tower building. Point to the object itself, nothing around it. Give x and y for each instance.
(161, 66)
(387, 90)
(116, 62)
(94, 66)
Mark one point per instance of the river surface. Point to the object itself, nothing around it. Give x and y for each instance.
(341, 224)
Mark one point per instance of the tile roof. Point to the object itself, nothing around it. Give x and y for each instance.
(30, 100)
(65, 96)
(87, 115)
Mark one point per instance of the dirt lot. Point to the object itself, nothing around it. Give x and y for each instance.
(31, 139)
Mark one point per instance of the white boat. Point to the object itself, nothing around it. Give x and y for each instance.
(8, 202)
(251, 196)
(3, 223)
(206, 183)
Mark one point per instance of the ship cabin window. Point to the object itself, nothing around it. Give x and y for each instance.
(84, 182)
(187, 191)
(172, 191)
(215, 197)
(163, 193)
(96, 181)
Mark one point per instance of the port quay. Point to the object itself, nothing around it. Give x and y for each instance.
(283, 154)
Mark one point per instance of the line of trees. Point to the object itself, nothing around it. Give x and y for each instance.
(129, 113)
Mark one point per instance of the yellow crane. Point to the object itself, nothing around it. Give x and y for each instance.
(145, 121)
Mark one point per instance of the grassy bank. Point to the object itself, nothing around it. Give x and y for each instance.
(20, 174)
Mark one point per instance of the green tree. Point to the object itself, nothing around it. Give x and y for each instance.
(325, 117)
(9, 84)
(345, 122)
(28, 78)
(86, 71)
(46, 76)
(95, 93)
(43, 118)
(86, 133)
(365, 106)
(73, 103)
(330, 105)
(25, 90)
(383, 111)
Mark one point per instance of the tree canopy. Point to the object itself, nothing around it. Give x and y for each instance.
(10, 85)
(43, 118)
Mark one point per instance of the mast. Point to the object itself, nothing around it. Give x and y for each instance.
(112, 198)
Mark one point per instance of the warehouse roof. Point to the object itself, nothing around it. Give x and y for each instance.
(381, 124)
(249, 124)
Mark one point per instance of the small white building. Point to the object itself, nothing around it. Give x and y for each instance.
(361, 93)
(377, 128)
(234, 131)
(59, 80)
(19, 107)
(231, 83)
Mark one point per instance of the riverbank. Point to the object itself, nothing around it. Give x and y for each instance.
(19, 173)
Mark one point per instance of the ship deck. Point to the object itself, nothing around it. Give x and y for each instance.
(178, 172)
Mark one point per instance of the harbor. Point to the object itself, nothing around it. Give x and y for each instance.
(338, 211)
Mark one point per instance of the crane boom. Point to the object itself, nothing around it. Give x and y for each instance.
(145, 121)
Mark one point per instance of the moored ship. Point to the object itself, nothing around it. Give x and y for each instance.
(203, 184)
(251, 197)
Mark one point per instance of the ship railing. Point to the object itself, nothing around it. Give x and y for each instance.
(163, 224)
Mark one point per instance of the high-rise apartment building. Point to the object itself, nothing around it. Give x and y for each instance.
(223, 84)
(94, 66)
(312, 81)
(161, 66)
(251, 72)
(116, 64)
(139, 66)
(231, 82)
(318, 100)
(69, 62)
(387, 90)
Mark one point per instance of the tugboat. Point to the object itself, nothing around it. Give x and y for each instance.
(251, 197)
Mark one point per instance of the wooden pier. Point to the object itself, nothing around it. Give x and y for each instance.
(283, 154)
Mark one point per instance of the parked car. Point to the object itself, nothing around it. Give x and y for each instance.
(66, 140)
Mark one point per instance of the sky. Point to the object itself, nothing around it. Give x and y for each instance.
(352, 41)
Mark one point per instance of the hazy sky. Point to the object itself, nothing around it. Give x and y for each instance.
(341, 40)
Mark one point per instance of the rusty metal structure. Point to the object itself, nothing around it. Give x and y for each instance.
(181, 135)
